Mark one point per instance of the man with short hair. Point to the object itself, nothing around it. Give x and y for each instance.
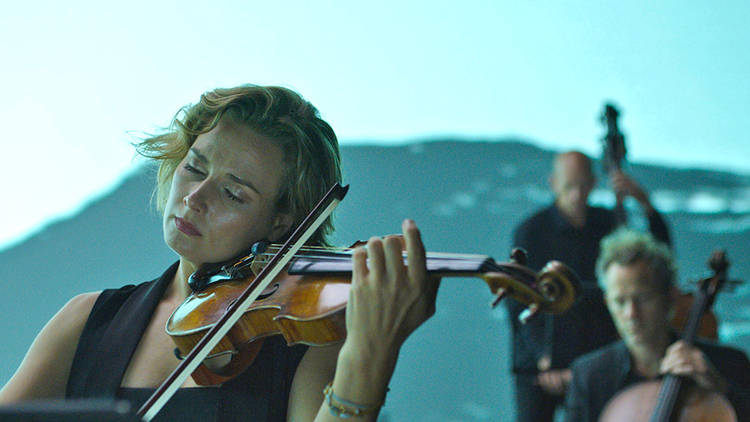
(569, 230)
(637, 275)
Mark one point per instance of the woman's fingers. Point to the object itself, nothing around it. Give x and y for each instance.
(360, 263)
(415, 250)
(394, 260)
(390, 299)
(376, 258)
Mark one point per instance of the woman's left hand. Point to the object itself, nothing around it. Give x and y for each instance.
(388, 300)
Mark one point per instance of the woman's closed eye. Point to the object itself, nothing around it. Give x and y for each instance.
(233, 196)
(190, 168)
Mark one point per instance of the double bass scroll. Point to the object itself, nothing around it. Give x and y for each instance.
(614, 152)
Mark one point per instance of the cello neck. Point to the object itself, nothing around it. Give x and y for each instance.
(700, 306)
(706, 294)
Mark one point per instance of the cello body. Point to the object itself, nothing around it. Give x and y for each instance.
(694, 404)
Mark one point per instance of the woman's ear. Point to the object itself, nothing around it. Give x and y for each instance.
(281, 225)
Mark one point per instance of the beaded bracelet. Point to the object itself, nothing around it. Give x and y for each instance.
(345, 409)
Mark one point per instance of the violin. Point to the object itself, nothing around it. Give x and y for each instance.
(669, 399)
(306, 302)
(301, 293)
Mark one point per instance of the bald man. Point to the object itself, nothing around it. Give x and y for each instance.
(568, 230)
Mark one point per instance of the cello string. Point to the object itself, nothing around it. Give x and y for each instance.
(668, 396)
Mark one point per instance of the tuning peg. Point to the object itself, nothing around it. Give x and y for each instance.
(501, 293)
(518, 256)
(528, 313)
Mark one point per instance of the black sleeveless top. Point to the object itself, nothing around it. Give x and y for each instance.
(109, 339)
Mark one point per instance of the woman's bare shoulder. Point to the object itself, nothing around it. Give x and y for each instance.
(79, 306)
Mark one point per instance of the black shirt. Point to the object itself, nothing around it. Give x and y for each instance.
(112, 332)
(548, 235)
(599, 375)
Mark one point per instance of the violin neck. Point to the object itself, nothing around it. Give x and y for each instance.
(443, 265)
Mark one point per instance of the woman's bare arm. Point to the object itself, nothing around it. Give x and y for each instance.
(43, 374)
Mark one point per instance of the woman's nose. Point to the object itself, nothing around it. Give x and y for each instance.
(195, 199)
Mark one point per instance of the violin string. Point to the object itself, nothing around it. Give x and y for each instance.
(333, 248)
(308, 251)
(493, 266)
(345, 254)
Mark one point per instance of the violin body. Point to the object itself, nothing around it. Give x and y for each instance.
(304, 309)
(637, 404)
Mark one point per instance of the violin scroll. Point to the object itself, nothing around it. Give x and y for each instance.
(559, 285)
(553, 290)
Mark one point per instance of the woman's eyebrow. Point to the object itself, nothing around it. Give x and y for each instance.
(199, 155)
(202, 158)
(243, 182)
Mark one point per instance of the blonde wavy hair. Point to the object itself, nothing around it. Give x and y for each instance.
(309, 145)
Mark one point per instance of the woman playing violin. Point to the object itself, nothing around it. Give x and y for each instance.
(242, 165)
(637, 275)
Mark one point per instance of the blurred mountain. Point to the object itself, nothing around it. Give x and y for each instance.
(467, 196)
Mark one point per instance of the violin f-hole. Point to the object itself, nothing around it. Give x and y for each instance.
(264, 295)
(268, 292)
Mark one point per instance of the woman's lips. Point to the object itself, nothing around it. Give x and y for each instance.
(185, 227)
